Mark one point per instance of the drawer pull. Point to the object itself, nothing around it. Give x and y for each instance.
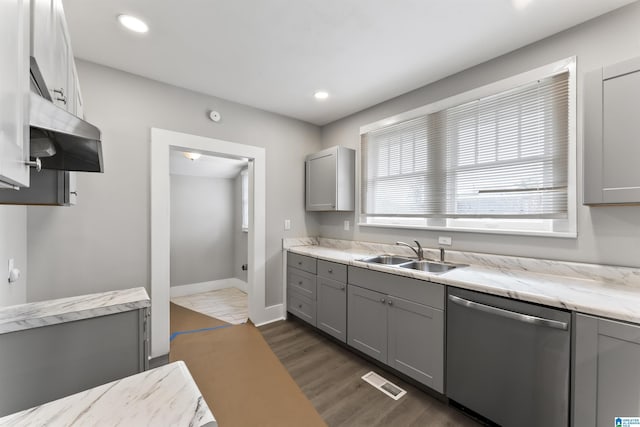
(300, 283)
(299, 262)
(300, 306)
(331, 271)
(342, 287)
(390, 302)
(382, 300)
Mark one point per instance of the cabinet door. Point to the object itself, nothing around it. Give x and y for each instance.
(607, 371)
(14, 93)
(321, 181)
(612, 144)
(332, 308)
(416, 341)
(367, 322)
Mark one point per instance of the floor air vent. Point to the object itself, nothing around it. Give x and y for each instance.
(388, 388)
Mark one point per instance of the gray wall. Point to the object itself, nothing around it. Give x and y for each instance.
(202, 237)
(103, 243)
(13, 244)
(240, 237)
(607, 235)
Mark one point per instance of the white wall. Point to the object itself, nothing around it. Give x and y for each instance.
(202, 233)
(607, 235)
(13, 244)
(103, 243)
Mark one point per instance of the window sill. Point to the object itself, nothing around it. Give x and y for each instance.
(561, 235)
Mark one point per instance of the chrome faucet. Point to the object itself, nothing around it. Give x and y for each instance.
(419, 252)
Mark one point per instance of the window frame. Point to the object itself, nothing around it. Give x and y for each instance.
(564, 228)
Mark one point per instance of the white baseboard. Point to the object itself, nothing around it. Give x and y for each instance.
(271, 314)
(214, 285)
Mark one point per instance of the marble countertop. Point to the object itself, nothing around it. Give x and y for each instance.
(165, 396)
(44, 313)
(611, 292)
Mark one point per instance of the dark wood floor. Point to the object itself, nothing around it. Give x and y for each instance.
(330, 377)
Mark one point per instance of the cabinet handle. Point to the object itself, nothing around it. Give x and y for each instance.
(300, 283)
(299, 305)
(390, 302)
(342, 287)
(382, 300)
(299, 262)
(330, 271)
(37, 164)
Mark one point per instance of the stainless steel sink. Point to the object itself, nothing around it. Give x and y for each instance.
(431, 266)
(387, 259)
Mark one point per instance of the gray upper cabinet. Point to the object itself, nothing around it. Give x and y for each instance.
(612, 134)
(330, 180)
(606, 371)
(52, 57)
(14, 93)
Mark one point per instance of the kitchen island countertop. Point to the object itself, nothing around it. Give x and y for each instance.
(44, 313)
(165, 396)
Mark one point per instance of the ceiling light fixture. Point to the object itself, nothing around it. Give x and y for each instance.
(132, 23)
(321, 95)
(192, 156)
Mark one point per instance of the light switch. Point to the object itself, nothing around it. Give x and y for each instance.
(347, 225)
(287, 224)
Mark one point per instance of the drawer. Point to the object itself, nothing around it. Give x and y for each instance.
(301, 262)
(301, 307)
(301, 282)
(332, 270)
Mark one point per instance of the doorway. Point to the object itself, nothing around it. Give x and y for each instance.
(209, 234)
(162, 142)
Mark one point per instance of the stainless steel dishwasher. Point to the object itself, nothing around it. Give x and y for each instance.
(508, 360)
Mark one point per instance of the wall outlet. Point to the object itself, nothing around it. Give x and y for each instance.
(347, 225)
(287, 224)
(444, 240)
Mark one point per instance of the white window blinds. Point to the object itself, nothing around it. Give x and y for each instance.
(501, 156)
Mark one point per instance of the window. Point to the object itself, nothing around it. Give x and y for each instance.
(502, 161)
(244, 175)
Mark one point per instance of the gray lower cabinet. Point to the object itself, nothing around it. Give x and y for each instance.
(301, 287)
(367, 322)
(606, 371)
(416, 341)
(332, 307)
(406, 335)
(47, 363)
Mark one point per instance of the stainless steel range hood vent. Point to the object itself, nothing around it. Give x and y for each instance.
(61, 140)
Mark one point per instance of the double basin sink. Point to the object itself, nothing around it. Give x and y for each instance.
(412, 264)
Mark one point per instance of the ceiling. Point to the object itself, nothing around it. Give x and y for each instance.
(275, 54)
(205, 166)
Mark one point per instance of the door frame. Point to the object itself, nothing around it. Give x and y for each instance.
(162, 141)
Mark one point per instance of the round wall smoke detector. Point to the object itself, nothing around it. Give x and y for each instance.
(215, 116)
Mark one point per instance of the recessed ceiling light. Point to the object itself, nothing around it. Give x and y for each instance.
(321, 95)
(192, 156)
(132, 23)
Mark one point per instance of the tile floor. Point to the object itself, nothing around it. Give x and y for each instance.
(229, 305)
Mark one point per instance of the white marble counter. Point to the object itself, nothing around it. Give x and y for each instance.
(51, 312)
(607, 291)
(165, 396)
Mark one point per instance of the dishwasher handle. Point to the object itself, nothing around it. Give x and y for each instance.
(525, 318)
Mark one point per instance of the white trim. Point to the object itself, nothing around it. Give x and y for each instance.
(161, 142)
(269, 321)
(567, 64)
(214, 285)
